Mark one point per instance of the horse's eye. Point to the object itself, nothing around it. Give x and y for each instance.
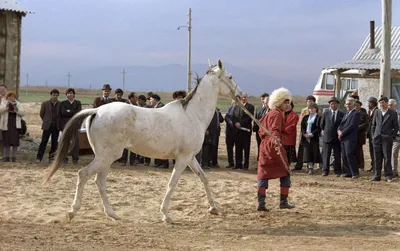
(230, 77)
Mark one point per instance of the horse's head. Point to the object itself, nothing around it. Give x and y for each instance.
(226, 84)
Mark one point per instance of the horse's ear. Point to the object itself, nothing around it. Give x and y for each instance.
(220, 64)
(209, 63)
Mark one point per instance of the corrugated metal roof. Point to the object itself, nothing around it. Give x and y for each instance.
(13, 5)
(367, 59)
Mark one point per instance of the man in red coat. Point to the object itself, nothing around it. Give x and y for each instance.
(273, 164)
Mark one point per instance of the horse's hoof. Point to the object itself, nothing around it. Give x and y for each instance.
(69, 216)
(113, 216)
(167, 219)
(213, 210)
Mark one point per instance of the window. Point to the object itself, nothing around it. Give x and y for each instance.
(396, 90)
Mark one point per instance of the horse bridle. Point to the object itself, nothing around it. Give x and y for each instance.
(278, 144)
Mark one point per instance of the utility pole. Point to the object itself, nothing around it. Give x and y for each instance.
(123, 79)
(27, 84)
(189, 70)
(385, 87)
(69, 79)
(46, 83)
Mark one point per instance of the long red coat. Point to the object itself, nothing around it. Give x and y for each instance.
(270, 164)
(289, 138)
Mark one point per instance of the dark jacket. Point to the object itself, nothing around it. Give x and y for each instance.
(258, 114)
(384, 127)
(159, 105)
(330, 131)
(370, 118)
(47, 115)
(99, 101)
(68, 110)
(349, 126)
(315, 130)
(121, 100)
(362, 127)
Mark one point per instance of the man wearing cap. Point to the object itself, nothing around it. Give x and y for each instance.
(347, 133)
(384, 130)
(105, 99)
(331, 119)
(361, 134)
(396, 142)
(118, 96)
(372, 107)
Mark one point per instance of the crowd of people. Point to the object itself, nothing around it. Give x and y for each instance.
(329, 140)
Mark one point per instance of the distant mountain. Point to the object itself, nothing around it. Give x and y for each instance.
(164, 78)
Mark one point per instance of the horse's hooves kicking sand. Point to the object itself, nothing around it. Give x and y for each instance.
(213, 210)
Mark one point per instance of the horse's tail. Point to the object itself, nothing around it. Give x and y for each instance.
(67, 141)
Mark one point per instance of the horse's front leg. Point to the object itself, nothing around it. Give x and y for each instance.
(195, 166)
(101, 184)
(180, 165)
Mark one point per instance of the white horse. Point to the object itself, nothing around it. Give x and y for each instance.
(175, 131)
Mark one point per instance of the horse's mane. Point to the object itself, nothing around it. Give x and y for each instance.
(185, 101)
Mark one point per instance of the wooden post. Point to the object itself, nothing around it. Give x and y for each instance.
(338, 84)
(189, 84)
(385, 86)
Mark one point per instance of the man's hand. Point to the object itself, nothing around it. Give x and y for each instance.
(230, 123)
(237, 124)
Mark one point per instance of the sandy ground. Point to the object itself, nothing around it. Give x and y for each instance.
(331, 213)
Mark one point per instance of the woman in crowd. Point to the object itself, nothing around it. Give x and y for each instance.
(10, 121)
(289, 138)
(310, 131)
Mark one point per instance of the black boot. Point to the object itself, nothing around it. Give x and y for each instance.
(6, 159)
(261, 203)
(284, 203)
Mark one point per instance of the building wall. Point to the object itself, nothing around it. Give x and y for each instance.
(10, 49)
(368, 87)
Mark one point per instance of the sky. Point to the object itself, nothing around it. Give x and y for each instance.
(287, 39)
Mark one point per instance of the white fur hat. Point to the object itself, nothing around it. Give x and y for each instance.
(278, 97)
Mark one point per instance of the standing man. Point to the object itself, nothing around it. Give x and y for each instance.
(372, 107)
(272, 165)
(361, 134)
(243, 127)
(105, 99)
(141, 100)
(230, 133)
(118, 96)
(396, 142)
(68, 108)
(384, 130)
(132, 99)
(49, 113)
(155, 102)
(331, 119)
(347, 133)
(214, 151)
(259, 113)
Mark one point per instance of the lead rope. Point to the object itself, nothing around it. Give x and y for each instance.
(277, 142)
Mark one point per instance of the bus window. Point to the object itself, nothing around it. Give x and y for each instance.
(330, 82)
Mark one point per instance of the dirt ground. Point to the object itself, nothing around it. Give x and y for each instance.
(331, 213)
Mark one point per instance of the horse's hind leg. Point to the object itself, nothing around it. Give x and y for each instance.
(180, 165)
(83, 176)
(195, 166)
(101, 184)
